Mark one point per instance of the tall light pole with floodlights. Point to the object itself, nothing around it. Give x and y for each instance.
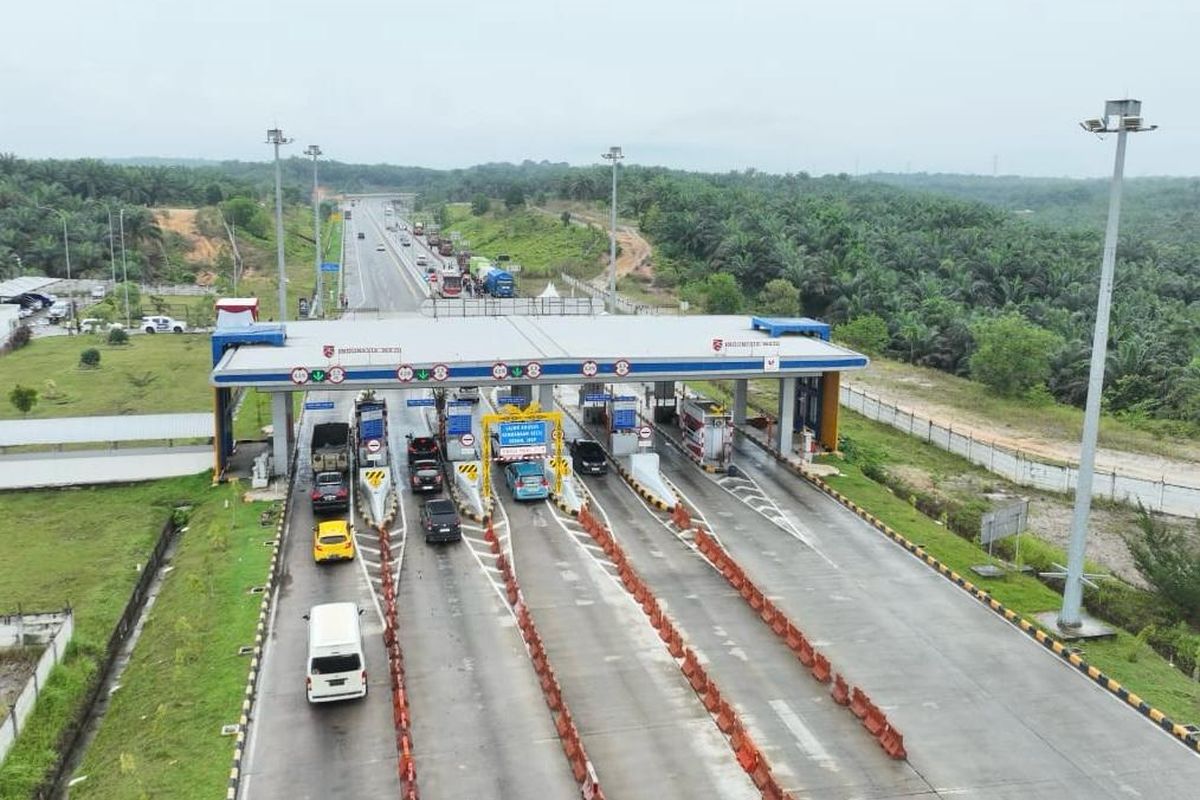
(1120, 117)
(614, 154)
(319, 302)
(275, 137)
(66, 240)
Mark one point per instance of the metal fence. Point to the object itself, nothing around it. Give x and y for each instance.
(56, 647)
(1021, 468)
(624, 304)
(510, 306)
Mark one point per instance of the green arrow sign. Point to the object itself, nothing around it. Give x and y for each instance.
(422, 374)
(515, 370)
(317, 375)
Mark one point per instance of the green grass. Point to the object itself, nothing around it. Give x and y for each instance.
(161, 735)
(542, 246)
(1048, 420)
(157, 373)
(262, 277)
(82, 547)
(255, 412)
(1150, 675)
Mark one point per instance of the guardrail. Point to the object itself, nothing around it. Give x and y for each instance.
(624, 304)
(1019, 467)
(511, 306)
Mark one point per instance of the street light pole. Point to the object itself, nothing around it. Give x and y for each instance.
(1127, 116)
(66, 241)
(112, 251)
(614, 154)
(124, 267)
(275, 137)
(318, 302)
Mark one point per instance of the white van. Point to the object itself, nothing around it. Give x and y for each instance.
(336, 668)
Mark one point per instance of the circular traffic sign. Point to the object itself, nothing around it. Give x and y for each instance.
(557, 434)
(336, 374)
(374, 445)
(299, 375)
(533, 369)
(621, 368)
(440, 372)
(645, 432)
(404, 373)
(467, 439)
(499, 370)
(590, 368)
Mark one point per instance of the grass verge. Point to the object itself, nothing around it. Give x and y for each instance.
(255, 412)
(161, 735)
(56, 554)
(157, 373)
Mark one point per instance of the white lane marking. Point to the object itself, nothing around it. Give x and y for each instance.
(808, 743)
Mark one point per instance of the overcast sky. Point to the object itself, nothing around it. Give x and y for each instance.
(780, 85)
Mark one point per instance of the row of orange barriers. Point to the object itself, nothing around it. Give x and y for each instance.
(817, 664)
(748, 754)
(400, 716)
(564, 724)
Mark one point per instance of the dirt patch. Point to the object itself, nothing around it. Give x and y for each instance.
(16, 665)
(201, 249)
(635, 256)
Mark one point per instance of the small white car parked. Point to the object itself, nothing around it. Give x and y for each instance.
(163, 325)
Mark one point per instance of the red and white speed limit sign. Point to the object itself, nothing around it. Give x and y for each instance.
(533, 369)
(499, 371)
(299, 375)
(621, 368)
(404, 373)
(589, 369)
(440, 372)
(336, 375)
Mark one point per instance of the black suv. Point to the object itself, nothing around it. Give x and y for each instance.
(440, 521)
(423, 447)
(587, 457)
(425, 474)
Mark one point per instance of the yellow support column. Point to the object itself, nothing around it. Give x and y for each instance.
(827, 437)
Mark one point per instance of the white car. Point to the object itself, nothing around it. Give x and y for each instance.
(98, 292)
(163, 325)
(466, 394)
(92, 325)
(422, 260)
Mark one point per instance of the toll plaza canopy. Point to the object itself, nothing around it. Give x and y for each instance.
(423, 352)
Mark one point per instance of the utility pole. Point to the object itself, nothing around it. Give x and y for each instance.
(275, 137)
(1120, 117)
(66, 240)
(614, 154)
(124, 267)
(112, 245)
(319, 302)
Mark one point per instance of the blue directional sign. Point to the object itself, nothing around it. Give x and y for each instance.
(330, 266)
(414, 402)
(511, 400)
(318, 405)
(463, 404)
(518, 434)
(596, 400)
(458, 424)
(624, 419)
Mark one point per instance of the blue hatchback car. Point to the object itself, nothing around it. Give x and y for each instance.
(527, 480)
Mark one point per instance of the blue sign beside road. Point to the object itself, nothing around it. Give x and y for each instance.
(414, 402)
(458, 424)
(318, 405)
(597, 398)
(329, 266)
(625, 398)
(511, 400)
(624, 419)
(517, 434)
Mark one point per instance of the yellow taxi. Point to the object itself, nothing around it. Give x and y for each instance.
(333, 541)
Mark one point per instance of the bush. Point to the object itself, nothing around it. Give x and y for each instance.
(20, 337)
(480, 204)
(1169, 563)
(118, 336)
(868, 333)
(89, 358)
(24, 398)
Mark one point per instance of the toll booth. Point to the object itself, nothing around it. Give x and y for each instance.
(664, 402)
(370, 430)
(623, 425)
(461, 442)
(707, 431)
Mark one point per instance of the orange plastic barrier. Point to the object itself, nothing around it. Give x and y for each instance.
(820, 668)
(840, 691)
(859, 703)
(893, 743)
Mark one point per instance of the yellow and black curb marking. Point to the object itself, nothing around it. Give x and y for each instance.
(1179, 732)
(470, 469)
(260, 636)
(563, 507)
(464, 510)
(709, 468)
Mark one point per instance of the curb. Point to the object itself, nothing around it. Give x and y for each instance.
(249, 695)
(1175, 730)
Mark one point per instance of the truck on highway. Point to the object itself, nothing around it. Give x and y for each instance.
(451, 284)
(445, 247)
(433, 237)
(499, 283)
(418, 229)
(330, 458)
(370, 430)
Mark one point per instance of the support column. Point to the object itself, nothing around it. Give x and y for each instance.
(281, 431)
(827, 437)
(740, 388)
(545, 396)
(787, 415)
